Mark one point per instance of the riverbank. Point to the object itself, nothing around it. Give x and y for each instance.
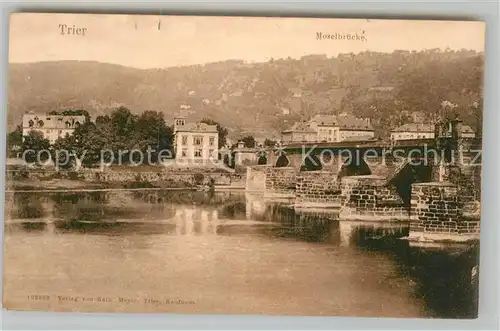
(80, 186)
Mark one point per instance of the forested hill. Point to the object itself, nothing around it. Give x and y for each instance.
(260, 98)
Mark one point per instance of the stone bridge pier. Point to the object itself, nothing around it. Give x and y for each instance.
(255, 205)
(437, 195)
(441, 213)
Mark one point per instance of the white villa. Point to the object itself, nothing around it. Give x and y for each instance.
(195, 142)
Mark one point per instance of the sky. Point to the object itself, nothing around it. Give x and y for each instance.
(140, 41)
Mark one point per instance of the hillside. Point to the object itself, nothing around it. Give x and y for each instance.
(258, 98)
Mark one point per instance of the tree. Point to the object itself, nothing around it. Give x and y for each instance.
(121, 133)
(86, 143)
(249, 141)
(220, 129)
(35, 147)
(123, 121)
(152, 132)
(229, 160)
(269, 143)
(102, 120)
(14, 141)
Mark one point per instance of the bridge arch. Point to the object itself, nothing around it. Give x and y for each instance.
(262, 159)
(354, 167)
(311, 163)
(408, 174)
(282, 161)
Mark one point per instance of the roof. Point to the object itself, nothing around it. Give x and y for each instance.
(300, 127)
(329, 120)
(197, 127)
(467, 129)
(425, 127)
(359, 138)
(349, 122)
(344, 121)
(52, 121)
(414, 127)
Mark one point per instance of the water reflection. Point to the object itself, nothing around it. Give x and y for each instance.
(235, 238)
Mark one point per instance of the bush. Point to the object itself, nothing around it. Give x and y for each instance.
(73, 175)
(198, 178)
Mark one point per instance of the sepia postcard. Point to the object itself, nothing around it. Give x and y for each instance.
(243, 165)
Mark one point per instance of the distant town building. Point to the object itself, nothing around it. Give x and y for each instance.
(352, 128)
(299, 132)
(52, 127)
(426, 131)
(330, 128)
(447, 128)
(326, 127)
(195, 142)
(343, 127)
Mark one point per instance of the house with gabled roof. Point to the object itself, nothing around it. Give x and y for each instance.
(410, 131)
(299, 132)
(330, 128)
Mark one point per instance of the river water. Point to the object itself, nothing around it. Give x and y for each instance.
(224, 253)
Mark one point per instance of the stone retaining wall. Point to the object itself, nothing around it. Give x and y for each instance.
(162, 178)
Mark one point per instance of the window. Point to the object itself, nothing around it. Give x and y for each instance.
(197, 153)
(212, 141)
(184, 152)
(40, 123)
(77, 124)
(211, 153)
(184, 140)
(31, 123)
(68, 124)
(197, 141)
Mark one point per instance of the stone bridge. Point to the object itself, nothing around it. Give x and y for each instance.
(433, 184)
